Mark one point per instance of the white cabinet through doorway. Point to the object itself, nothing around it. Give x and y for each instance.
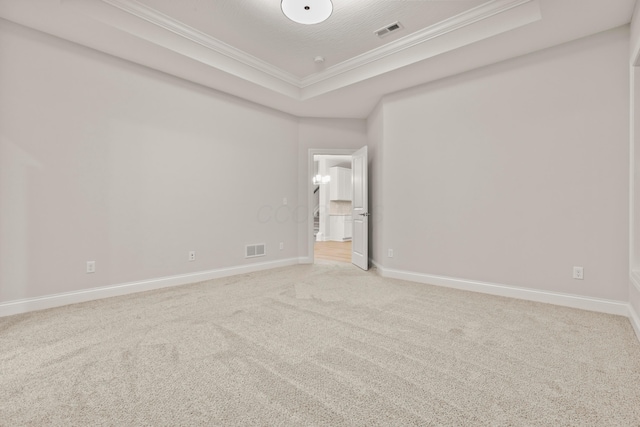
(341, 227)
(340, 184)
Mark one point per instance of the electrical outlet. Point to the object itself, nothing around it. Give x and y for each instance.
(192, 255)
(285, 201)
(390, 253)
(91, 266)
(281, 245)
(578, 273)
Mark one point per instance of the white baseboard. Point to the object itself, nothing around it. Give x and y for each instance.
(56, 300)
(635, 279)
(586, 303)
(634, 318)
(620, 308)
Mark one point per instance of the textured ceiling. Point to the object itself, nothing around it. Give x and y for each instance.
(259, 28)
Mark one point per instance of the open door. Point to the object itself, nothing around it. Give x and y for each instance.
(360, 209)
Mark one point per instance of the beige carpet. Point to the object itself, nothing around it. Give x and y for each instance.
(324, 345)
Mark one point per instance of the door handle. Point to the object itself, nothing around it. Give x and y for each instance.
(365, 214)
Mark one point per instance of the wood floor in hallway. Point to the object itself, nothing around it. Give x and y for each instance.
(333, 251)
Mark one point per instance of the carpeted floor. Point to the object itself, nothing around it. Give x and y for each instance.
(322, 345)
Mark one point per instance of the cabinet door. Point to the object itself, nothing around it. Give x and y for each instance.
(345, 184)
(337, 228)
(341, 227)
(340, 184)
(348, 227)
(334, 184)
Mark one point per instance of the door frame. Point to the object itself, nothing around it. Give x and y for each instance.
(310, 166)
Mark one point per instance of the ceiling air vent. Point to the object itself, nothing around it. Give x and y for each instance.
(384, 31)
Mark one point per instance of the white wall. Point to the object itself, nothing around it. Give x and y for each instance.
(635, 140)
(107, 161)
(634, 273)
(634, 46)
(514, 173)
(634, 235)
(320, 133)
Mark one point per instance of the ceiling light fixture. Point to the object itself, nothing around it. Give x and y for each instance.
(307, 11)
(319, 179)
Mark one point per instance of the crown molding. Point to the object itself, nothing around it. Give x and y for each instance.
(144, 22)
(464, 19)
(155, 17)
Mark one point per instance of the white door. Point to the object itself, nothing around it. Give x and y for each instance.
(360, 209)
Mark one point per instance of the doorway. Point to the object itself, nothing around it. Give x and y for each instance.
(342, 157)
(358, 189)
(332, 221)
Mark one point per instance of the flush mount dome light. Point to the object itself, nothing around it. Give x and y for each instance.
(307, 11)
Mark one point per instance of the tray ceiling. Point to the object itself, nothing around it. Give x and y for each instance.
(249, 49)
(259, 28)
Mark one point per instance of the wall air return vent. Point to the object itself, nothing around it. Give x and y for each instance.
(252, 251)
(388, 29)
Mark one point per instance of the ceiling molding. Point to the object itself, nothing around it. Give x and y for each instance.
(454, 23)
(155, 17)
(354, 93)
(498, 23)
(478, 23)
